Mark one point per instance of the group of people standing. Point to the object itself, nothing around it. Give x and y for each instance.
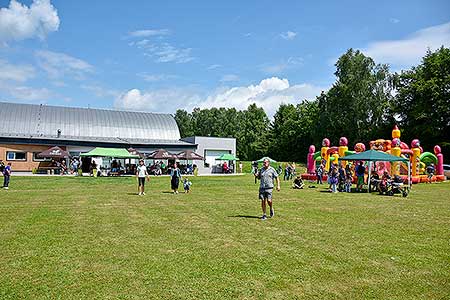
(175, 176)
(289, 171)
(340, 178)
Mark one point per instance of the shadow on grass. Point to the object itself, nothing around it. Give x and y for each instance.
(244, 216)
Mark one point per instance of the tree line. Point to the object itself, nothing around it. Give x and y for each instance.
(363, 104)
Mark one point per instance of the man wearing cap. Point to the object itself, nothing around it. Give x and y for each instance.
(267, 175)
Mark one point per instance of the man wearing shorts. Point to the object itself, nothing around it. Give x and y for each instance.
(267, 175)
(141, 174)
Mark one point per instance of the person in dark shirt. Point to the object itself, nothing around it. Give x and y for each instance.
(6, 176)
(298, 183)
(360, 170)
(430, 172)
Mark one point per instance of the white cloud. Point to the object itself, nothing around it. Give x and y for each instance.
(269, 94)
(148, 33)
(161, 52)
(394, 20)
(58, 65)
(283, 65)
(156, 77)
(167, 100)
(19, 22)
(288, 35)
(100, 91)
(19, 73)
(30, 94)
(25, 93)
(407, 52)
(215, 66)
(164, 52)
(229, 78)
(168, 53)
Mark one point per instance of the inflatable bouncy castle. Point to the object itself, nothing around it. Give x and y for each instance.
(419, 160)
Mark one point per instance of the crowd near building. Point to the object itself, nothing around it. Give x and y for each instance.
(27, 130)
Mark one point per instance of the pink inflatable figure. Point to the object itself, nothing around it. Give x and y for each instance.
(415, 143)
(343, 141)
(396, 142)
(360, 147)
(440, 160)
(311, 166)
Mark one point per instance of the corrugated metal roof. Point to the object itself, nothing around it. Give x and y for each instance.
(39, 121)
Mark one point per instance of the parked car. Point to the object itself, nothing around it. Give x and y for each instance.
(447, 171)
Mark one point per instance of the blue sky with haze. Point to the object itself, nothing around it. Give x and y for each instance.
(163, 55)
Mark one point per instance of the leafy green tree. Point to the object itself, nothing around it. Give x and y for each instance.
(292, 131)
(253, 136)
(184, 122)
(423, 100)
(357, 105)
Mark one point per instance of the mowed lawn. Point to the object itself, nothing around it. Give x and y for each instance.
(94, 238)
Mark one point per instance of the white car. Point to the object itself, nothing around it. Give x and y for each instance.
(447, 171)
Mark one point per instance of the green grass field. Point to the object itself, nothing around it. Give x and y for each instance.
(94, 238)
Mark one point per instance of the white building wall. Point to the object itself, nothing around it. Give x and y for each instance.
(211, 148)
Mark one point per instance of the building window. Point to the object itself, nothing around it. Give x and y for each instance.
(36, 158)
(12, 155)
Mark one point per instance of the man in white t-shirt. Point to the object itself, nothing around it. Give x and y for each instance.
(141, 174)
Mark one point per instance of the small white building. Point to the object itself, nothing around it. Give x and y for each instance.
(212, 148)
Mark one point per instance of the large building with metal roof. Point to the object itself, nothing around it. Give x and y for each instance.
(27, 129)
(100, 125)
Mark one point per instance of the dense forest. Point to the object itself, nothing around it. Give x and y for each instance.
(364, 103)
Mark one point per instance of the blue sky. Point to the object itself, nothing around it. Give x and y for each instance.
(160, 56)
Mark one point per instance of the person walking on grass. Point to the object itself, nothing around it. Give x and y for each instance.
(319, 174)
(334, 179)
(267, 175)
(360, 171)
(175, 175)
(255, 169)
(6, 176)
(187, 185)
(141, 174)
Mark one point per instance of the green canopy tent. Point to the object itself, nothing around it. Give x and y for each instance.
(266, 157)
(109, 152)
(227, 156)
(373, 155)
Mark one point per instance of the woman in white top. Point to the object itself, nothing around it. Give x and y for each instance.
(141, 174)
